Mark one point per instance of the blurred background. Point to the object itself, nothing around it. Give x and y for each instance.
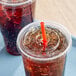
(61, 11)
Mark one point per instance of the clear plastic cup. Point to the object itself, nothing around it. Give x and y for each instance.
(14, 15)
(43, 66)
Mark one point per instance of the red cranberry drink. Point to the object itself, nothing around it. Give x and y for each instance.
(37, 60)
(14, 14)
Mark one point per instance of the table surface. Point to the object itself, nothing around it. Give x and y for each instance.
(61, 11)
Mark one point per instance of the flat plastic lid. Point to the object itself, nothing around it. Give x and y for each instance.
(15, 2)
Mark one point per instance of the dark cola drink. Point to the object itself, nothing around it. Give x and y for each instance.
(32, 45)
(15, 14)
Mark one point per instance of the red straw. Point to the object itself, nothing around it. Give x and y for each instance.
(43, 34)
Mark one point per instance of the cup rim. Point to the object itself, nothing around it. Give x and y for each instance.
(45, 59)
(16, 4)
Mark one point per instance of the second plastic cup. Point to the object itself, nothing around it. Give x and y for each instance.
(15, 14)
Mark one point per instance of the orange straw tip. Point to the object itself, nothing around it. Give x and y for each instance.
(42, 23)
